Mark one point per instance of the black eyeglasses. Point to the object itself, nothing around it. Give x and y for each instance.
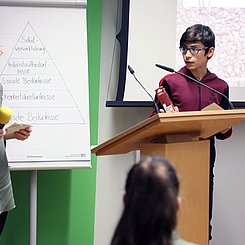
(193, 50)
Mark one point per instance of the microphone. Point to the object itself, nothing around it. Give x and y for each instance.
(131, 70)
(5, 116)
(195, 80)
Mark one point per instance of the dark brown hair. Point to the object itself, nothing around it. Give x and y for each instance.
(196, 33)
(149, 215)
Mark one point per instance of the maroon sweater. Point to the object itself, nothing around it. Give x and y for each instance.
(191, 96)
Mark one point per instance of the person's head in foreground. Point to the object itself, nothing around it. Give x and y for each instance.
(150, 204)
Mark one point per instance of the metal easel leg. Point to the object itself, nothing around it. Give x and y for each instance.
(33, 207)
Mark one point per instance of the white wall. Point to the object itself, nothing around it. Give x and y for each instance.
(112, 170)
(229, 198)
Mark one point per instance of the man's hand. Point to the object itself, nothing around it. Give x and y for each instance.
(21, 134)
(175, 109)
(2, 133)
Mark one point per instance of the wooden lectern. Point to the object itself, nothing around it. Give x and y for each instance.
(181, 138)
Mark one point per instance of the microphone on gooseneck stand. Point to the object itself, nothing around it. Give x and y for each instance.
(5, 116)
(131, 70)
(195, 80)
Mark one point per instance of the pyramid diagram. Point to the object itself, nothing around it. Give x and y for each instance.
(34, 87)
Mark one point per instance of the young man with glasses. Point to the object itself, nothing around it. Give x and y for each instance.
(197, 46)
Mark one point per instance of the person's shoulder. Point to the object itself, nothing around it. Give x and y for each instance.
(183, 242)
(179, 241)
(169, 78)
(213, 76)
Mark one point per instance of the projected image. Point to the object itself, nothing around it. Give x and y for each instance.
(226, 19)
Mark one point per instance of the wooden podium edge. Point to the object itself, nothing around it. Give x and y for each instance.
(238, 115)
